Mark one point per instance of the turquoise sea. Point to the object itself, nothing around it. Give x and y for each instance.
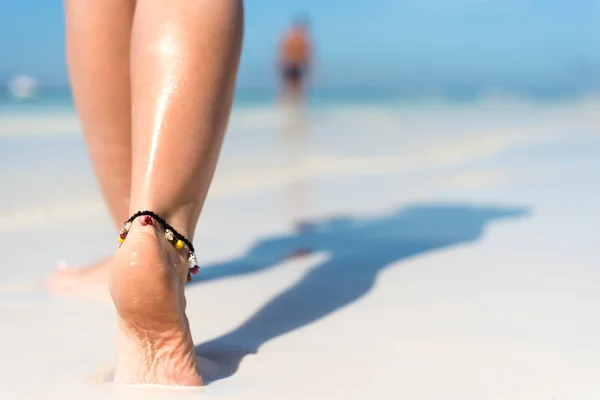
(409, 94)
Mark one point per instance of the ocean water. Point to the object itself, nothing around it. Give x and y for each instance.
(45, 173)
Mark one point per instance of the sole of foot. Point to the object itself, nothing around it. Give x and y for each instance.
(88, 281)
(154, 342)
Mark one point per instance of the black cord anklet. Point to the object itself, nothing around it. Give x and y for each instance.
(177, 240)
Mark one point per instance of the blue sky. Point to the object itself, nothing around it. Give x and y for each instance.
(370, 42)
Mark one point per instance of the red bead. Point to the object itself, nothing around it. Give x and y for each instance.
(195, 270)
(123, 235)
(146, 220)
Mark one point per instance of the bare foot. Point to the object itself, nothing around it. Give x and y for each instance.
(91, 279)
(154, 344)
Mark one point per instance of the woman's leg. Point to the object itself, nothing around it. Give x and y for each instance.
(98, 47)
(184, 62)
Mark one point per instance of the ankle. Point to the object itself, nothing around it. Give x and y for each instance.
(177, 239)
(156, 268)
(182, 218)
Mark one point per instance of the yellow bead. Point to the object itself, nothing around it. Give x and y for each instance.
(121, 240)
(179, 244)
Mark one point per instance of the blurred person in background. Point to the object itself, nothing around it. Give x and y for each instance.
(154, 95)
(295, 60)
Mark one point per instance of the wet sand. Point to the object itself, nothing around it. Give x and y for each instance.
(466, 269)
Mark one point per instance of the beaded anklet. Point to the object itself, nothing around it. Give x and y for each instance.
(175, 238)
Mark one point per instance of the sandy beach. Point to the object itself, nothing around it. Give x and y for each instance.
(452, 253)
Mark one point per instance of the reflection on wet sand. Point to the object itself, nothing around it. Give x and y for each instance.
(297, 193)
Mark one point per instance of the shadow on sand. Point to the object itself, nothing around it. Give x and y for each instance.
(359, 249)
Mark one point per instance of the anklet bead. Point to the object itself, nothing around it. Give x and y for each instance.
(146, 220)
(121, 239)
(179, 245)
(169, 235)
(123, 235)
(195, 270)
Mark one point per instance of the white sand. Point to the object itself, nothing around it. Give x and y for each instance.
(463, 304)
